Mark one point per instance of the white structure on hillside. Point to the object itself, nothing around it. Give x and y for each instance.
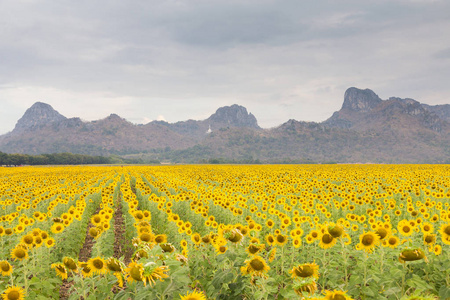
(209, 129)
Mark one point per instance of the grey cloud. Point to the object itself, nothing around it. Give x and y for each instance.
(443, 54)
(297, 56)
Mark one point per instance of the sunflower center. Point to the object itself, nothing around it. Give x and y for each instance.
(98, 264)
(338, 297)
(327, 238)
(429, 239)
(447, 229)
(19, 253)
(281, 238)
(70, 264)
(114, 266)
(367, 240)
(61, 269)
(5, 267)
(253, 249)
(136, 274)
(392, 241)
(335, 231)
(257, 265)
(305, 271)
(13, 295)
(28, 240)
(406, 229)
(146, 237)
(93, 232)
(382, 233)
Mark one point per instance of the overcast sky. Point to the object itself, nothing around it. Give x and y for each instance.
(175, 60)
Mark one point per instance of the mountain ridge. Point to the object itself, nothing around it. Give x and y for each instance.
(366, 128)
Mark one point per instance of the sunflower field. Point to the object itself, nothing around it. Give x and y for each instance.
(334, 232)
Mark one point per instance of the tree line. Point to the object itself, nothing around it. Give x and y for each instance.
(51, 159)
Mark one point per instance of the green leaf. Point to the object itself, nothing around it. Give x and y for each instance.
(392, 291)
(444, 293)
(418, 283)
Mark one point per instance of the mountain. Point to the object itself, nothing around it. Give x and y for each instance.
(365, 129)
(225, 117)
(43, 130)
(38, 115)
(363, 110)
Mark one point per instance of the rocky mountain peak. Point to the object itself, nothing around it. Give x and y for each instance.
(39, 114)
(235, 116)
(360, 100)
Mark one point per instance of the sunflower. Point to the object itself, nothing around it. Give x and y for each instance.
(135, 271)
(193, 296)
(382, 232)
(153, 272)
(235, 236)
(255, 266)
(412, 255)
(28, 240)
(281, 239)
(429, 239)
(94, 232)
(221, 249)
(196, 238)
(44, 235)
(270, 239)
(161, 238)
(85, 269)
(305, 285)
(97, 265)
(114, 265)
(167, 247)
(445, 239)
(14, 293)
(206, 239)
(309, 239)
(57, 228)
(336, 295)
(50, 242)
(315, 234)
(392, 242)
(445, 230)
(427, 227)
(61, 271)
(270, 223)
(305, 270)
(335, 230)
(297, 242)
(368, 241)
(253, 249)
(19, 253)
(5, 268)
(327, 241)
(97, 219)
(405, 228)
(147, 237)
(70, 264)
(437, 250)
